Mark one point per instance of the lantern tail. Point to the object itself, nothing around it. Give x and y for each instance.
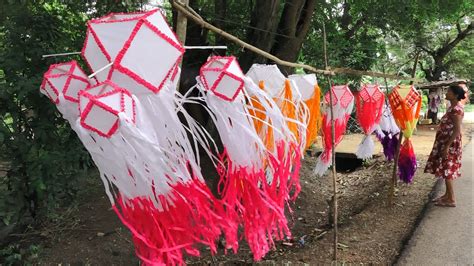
(366, 148)
(187, 217)
(258, 203)
(407, 162)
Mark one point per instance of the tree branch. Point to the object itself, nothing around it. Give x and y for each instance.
(443, 51)
(428, 51)
(458, 27)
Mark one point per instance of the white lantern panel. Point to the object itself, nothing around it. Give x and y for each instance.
(210, 77)
(113, 35)
(270, 74)
(83, 102)
(60, 69)
(100, 119)
(128, 83)
(228, 87)
(128, 106)
(150, 57)
(217, 63)
(50, 92)
(59, 82)
(305, 84)
(95, 58)
(112, 100)
(158, 20)
(234, 68)
(78, 72)
(75, 86)
(101, 89)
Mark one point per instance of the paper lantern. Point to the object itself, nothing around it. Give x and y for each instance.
(223, 76)
(310, 93)
(343, 103)
(271, 76)
(100, 105)
(66, 79)
(387, 133)
(405, 102)
(144, 50)
(369, 107)
(255, 181)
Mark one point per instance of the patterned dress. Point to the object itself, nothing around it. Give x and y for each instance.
(450, 166)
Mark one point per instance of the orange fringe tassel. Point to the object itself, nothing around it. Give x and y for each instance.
(315, 118)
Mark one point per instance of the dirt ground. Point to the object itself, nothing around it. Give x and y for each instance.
(369, 231)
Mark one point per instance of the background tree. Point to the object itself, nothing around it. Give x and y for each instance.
(42, 155)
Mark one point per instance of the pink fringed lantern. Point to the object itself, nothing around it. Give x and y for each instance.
(369, 108)
(255, 181)
(343, 103)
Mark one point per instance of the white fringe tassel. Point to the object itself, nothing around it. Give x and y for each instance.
(322, 166)
(366, 148)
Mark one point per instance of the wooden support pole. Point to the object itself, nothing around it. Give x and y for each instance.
(181, 26)
(182, 23)
(333, 151)
(393, 179)
(393, 183)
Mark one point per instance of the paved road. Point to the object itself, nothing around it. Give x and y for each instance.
(445, 235)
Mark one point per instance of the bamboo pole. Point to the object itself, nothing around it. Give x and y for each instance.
(181, 23)
(181, 26)
(333, 151)
(393, 179)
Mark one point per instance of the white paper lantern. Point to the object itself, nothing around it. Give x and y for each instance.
(144, 50)
(66, 79)
(271, 76)
(222, 75)
(100, 105)
(305, 84)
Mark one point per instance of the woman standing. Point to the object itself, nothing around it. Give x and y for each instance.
(445, 158)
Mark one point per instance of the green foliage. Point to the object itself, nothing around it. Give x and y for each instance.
(44, 157)
(14, 254)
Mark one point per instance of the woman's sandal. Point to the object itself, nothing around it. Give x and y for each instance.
(443, 203)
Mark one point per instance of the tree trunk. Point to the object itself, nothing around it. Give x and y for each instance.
(261, 34)
(293, 28)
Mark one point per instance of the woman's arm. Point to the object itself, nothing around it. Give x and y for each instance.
(457, 119)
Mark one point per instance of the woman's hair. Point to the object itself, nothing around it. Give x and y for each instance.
(458, 91)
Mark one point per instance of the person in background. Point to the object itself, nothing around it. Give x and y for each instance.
(434, 101)
(445, 158)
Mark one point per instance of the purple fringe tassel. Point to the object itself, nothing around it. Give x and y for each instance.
(407, 164)
(389, 143)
